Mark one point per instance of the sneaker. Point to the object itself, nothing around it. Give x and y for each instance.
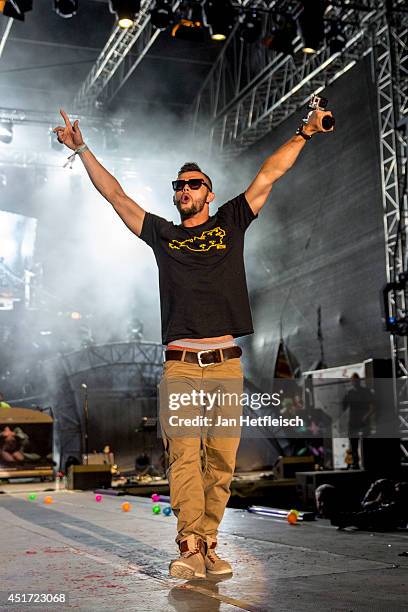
(191, 563)
(213, 563)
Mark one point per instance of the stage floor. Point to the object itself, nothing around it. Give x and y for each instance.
(106, 559)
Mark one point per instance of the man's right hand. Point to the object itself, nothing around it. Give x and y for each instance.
(70, 135)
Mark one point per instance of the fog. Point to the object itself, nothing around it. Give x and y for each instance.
(92, 263)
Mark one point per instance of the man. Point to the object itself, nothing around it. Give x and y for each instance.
(383, 508)
(204, 307)
(360, 401)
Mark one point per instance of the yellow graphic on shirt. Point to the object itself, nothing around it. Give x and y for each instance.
(200, 244)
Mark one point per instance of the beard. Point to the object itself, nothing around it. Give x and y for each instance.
(189, 210)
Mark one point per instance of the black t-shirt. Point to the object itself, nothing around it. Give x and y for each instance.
(203, 291)
(359, 399)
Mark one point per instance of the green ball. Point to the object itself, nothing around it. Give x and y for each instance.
(156, 509)
(32, 496)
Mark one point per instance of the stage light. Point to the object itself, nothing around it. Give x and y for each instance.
(6, 132)
(162, 15)
(125, 11)
(312, 25)
(281, 36)
(66, 8)
(220, 18)
(16, 8)
(251, 26)
(192, 24)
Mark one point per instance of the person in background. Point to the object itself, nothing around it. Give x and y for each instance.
(361, 404)
(384, 506)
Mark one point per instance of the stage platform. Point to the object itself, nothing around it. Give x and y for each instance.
(106, 559)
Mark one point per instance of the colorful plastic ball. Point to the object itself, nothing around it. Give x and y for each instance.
(292, 518)
(126, 507)
(167, 511)
(98, 498)
(156, 509)
(295, 512)
(155, 497)
(32, 496)
(48, 500)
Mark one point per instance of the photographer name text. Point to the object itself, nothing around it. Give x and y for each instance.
(206, 421)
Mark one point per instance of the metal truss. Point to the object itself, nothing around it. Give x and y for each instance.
(5, 35)
(123, 369)
(144, 358)
(20, 116)
(246, 95)
(45, 156)
(117, 61)
(122, 167)
(391, 59)
(250, 90)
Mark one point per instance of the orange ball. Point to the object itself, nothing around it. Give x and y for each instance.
(48, 500)
(292, 518)
(126, 507)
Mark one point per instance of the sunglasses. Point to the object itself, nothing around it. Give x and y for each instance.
(194, 183)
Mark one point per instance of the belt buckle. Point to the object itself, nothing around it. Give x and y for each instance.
(204, 365)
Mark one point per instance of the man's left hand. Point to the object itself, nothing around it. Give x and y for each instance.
(314, 122)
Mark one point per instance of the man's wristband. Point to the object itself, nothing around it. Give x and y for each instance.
(71, 158)
(300, 132)
(81, 149)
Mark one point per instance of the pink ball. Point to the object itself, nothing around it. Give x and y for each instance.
(98, 498)
(155, 497)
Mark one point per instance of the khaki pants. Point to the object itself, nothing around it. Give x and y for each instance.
(201, 458)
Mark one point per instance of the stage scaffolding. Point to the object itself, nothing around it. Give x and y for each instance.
(391, 61)
(248, 92)
(121, 55)
(124, 374)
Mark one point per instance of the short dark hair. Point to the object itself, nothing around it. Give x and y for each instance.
(193, 167)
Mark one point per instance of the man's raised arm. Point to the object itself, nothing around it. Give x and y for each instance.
(280, 162)
(131, 213)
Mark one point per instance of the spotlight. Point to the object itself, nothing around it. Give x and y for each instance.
(162, 15)
(125, 11)
(16, 8)
(6, 132)
(191, 25)
(220, 18)
(312, 25)
(66, 8)
(281, 36)
(251, 26)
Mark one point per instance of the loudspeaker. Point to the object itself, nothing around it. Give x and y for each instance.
(86, 477)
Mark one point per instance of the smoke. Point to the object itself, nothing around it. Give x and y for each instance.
(92, 263)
